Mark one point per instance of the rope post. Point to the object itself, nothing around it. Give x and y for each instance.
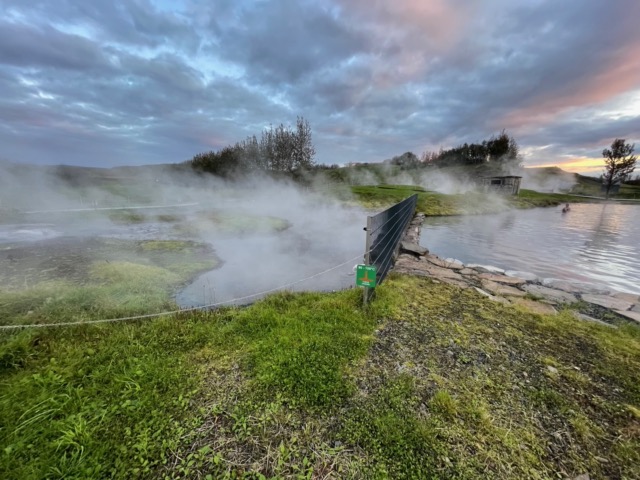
(367, 258)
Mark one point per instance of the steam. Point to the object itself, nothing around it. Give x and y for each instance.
(441, 182)
(272, 232)
(549, 180)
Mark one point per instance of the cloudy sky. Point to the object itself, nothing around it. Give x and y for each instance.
(105, 83)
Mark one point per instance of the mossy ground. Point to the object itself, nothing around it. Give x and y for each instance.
(230, 224)
(429, 381)
(78, 279)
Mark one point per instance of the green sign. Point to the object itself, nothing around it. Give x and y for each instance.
(366, 276)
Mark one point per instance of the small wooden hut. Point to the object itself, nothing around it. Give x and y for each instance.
(506, 185)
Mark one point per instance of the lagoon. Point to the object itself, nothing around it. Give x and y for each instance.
(594, 243)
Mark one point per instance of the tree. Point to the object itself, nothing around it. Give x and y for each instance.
(288, 150)
(280, 149)
(406, 160)
(619, 163)
(304, 150)
(503, 149)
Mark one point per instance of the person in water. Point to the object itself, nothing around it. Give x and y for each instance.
(566, 208)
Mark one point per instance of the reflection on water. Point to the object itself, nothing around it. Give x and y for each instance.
(591, 243)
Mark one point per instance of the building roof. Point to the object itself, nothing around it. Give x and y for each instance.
(502, 176)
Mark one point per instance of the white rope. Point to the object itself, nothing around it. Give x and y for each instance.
(90, 209)
(173, 312)
(202, 307)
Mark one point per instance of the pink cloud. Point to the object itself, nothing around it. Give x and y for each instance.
(608, 80)
(410, 33)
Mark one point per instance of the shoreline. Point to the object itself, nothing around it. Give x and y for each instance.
(541, 295)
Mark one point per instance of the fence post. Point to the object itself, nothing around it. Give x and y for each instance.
(367, 258)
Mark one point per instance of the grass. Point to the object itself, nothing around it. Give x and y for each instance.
(432, 203)
(476, 388)
(126, 217)
(429, 381)
(592, 186)
(231, 223)
(98, 278)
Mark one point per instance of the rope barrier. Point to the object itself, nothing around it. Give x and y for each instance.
(173, 312)
(217, 304)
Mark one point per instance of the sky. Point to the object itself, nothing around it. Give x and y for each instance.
(133, 82)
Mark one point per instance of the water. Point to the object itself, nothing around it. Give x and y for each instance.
(255, 262)
(27, 232)
(258, 264)
(594, 243)
(318, 239)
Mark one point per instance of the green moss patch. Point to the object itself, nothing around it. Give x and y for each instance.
(81, 279)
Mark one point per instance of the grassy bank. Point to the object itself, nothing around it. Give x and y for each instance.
(432, 203)
(429, 382)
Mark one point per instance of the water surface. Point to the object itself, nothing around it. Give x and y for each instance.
(594, 243)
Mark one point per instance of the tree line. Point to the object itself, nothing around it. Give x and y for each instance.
(280, 149)
(502, 149)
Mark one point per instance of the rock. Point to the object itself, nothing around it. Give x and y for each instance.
(485, 268)
(627, 297)
(498, 299)
(573, 287)
(551, 369)
(584, 476)
(529, 277)
(453, 264)
(535, 307)
(408, 264)
(468, 271)
(440, 273)
(587, 318)
(558, 284)
(413, 248)
(502, 279)
(606, 301)
(499, 289)
(551, 294)
(636, 308)
(411, 265)
(453, 281)
(629, 314)
(482, 292)
(491, 297)
(591, 288)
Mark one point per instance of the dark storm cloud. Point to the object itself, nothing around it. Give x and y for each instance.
(44, 46)
(588, 136)
(140, 81)
(281, 42)
(129, 22)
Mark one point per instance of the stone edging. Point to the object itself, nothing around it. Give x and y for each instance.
(509, 286)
